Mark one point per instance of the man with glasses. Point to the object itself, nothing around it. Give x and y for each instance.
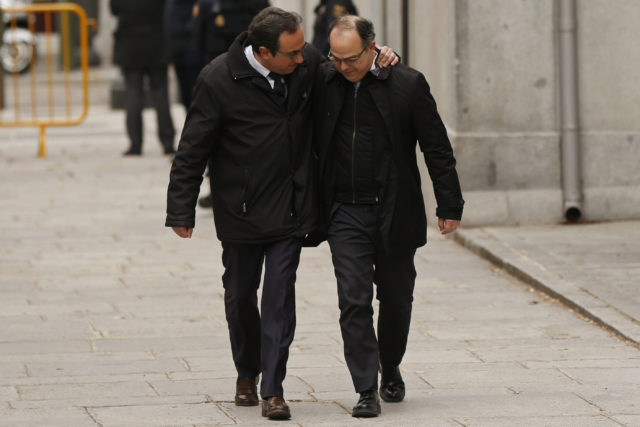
(373, 210)
(251, 118)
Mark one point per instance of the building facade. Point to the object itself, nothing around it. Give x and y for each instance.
(496, 70)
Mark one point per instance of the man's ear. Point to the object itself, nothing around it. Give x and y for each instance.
(372, 45)
(264, 52)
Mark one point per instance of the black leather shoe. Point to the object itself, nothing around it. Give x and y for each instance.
(246, 393)
(368, 405)
(391, 384)
(205, 201)
(275, 408)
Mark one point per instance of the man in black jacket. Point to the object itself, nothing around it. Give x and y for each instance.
(372, 204)
(140, 51)
(250, 117)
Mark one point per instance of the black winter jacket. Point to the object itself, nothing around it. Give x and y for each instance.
(403, 99)
(139, 37)
(260, 152)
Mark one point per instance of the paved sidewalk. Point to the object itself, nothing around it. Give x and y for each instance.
(593, 268)
(108, 319)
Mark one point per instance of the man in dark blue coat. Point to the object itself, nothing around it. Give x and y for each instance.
(187, 61)
(326, 12)
(373, 211)
(218, 23)
(140, 51)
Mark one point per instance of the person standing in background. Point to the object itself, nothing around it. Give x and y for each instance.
(326, 12)
(187, 61)
(140, 50)
(218, 22)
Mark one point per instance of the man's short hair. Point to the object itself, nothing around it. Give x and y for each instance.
(268, 24)
(363, 26)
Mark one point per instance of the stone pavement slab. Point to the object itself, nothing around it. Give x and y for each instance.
(593, 268)
(109, 319)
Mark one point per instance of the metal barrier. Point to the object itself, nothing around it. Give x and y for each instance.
(51, 105)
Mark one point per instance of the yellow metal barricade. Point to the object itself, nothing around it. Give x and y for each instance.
(47, 92)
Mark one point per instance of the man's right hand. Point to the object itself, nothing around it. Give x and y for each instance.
(184, 232)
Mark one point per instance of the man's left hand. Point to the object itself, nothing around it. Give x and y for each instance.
(447, 225)
(387, 57)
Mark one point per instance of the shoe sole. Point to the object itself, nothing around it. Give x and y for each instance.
(365, 414)
(247, 403)
(276, 415)
(392, 399)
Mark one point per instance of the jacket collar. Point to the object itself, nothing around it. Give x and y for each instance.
(238, 64)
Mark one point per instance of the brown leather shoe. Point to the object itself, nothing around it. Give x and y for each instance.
(275, 408)
(246, 394)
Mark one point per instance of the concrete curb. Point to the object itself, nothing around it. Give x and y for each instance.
(524, 267)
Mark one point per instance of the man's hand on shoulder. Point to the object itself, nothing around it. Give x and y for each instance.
(184, 232)
(447, 225)
(387, 57)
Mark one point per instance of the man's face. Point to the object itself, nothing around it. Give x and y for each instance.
(288, 55)
(348, 55)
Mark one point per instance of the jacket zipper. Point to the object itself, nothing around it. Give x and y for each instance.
(353, 144)
(245, 184)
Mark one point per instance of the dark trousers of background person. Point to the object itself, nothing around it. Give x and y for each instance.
(134, 78)
(187, 65)
(359, 262)
(260, 340)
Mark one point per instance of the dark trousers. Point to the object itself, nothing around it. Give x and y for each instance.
(187, 65)
(134, 78)
(260, 340)
(360, 261)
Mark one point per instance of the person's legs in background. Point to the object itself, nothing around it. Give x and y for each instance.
(160, 97)
(133, 109)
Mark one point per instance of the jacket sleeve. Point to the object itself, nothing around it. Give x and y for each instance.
(194, 150)
(438, 154)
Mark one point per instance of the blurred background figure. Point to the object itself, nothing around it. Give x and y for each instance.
(140, 51)
(186, 59)
(217, 24)
(326, 12)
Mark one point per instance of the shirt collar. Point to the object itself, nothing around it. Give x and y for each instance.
(374, 65)
(264, 71)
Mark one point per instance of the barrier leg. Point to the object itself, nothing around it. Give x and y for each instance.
(42, 151)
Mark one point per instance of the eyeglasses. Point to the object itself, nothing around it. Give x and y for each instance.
(293, 54)
(349, 61)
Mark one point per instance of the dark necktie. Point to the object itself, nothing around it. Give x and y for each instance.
(278, 86)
